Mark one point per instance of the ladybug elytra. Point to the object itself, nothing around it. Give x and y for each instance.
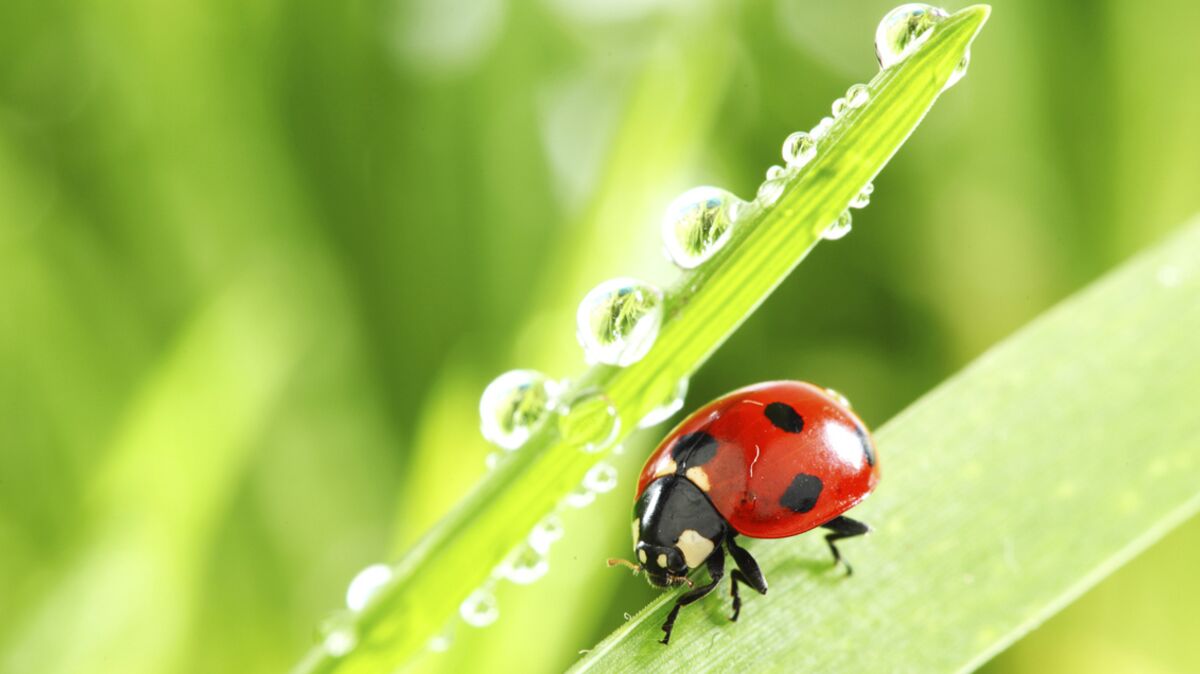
(767, 461)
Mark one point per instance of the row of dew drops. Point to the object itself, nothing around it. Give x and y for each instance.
(617, 323)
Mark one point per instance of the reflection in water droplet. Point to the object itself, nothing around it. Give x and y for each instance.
(338, 634)
(903, 30)
(546, 533)
(863, 198)
(698, 223)
(669, 407)
(366, 584)
(841, 399)
(514, 404)
(524, 566)
(838, 228)
(479, 609)
(590, 423)
(618, 321)
(601, 478)
(960, 71)
(798, 149)
(857, 96)
(839, 108)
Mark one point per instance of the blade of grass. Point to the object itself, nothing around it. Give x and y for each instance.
(702, 311)
(1007, 492)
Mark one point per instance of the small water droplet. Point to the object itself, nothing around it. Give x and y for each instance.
(492, 460)
(479, 609)
(440, 643)
(668, 407)
(601, 478)
(840, 106)
(841, 399)
(546, 533)
(579, 497)
(857, 96)
(904, 29)
(618, 321)
(366, 584)
(960, 71)
(770, 191)
(863, 198)
(590, 422)
(838, 228)
(513, 406)
(822, 128)
(524, 566)
(776, 172)
(799, 148)
(698, 223)
(338, 634)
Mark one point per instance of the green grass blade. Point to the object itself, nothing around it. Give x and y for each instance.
(706, 307)
(1007, 492)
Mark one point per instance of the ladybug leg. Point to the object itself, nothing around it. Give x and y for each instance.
(843, 527)
(716, 571)
(747, 572)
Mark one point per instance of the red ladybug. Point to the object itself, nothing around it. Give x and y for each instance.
(767, 461)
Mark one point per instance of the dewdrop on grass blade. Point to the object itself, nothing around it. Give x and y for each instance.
(618, 321)
(513, 406)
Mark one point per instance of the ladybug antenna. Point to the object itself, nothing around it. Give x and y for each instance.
(683, 579)
(625, 562)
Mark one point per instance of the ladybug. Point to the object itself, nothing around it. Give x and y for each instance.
(770, 460)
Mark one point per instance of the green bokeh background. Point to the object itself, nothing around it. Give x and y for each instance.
(258, 259)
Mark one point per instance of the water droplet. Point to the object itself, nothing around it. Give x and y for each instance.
(366, 584)
(960, 71)
(798, 149)
(618, 321)
(840, 106)
(479, 609)
(838, 228)
(514, 404)
(903, 30)
(546, 533)
(524, 566)
(698, 223)
(857, 96)
(776, 172)
(492, 460)
(601, 478)
(841, 399)
(590, 422)
(863, 198)
(579, 497)
(338, 634)
(769, 192)
(668, 407)
(440, 643)
(822, 128)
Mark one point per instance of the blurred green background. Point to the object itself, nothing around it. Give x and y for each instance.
(258, 259)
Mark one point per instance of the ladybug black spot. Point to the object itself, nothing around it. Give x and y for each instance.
(868, 448)
(694, 449)
(802, 494)
(784, 417)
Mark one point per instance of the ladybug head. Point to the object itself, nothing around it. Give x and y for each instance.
(676, 529)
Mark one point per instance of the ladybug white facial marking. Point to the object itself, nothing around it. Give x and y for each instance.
(662, 560)
(637, 533)
(698, 478)
(642, 556)
(695, 547)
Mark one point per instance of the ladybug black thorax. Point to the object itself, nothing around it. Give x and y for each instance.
(676, 529)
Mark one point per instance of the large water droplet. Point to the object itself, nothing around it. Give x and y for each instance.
(479, 609)
(903, 30)
(338, 634)
(601, 478)
(857, 96)
(698, 223)
(525, 565)
(590, 422)
(366, 584)
(514, 404)
(838, 228)
(798, 149)
(546, 533)
(960, 71)
(863, 198)
(618, 321)
(668, 407)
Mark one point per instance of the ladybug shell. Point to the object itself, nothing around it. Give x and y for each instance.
(776, 459)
